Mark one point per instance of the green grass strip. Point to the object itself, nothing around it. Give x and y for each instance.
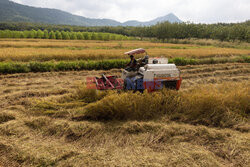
(19, 67)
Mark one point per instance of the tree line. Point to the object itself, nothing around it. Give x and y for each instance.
(161, 31)
(222, 32)
(65, 35)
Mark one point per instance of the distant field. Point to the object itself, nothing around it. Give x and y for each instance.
(45, 50)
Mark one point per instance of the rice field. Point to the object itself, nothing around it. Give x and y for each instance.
(50, 119)
(45, 50)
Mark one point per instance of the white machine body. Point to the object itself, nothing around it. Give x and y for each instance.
(151, 72)
(155, 71)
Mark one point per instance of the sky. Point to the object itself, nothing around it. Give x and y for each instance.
(196, 11)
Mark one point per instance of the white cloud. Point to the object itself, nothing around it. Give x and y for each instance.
(198, 11)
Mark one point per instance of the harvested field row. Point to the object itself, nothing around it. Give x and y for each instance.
(218, 73)
(54, 142)
(74, 138)
(116, 44)
(84, 43)
(43, 137)
(226, 66)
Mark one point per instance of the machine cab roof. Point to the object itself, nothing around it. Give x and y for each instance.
(136, 51)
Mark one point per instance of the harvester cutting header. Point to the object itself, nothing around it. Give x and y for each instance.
(144, 73)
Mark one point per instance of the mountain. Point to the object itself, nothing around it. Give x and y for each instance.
(14, 12)
(170, 17)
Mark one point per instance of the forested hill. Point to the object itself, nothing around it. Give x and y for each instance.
(14, 12)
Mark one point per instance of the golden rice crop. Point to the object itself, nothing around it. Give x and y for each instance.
(224, 105)
(45, 50)
(45, 54)
(82, 43)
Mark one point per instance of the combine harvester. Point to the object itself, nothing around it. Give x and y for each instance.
(146, 74)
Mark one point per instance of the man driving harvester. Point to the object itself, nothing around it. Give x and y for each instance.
(131, 66)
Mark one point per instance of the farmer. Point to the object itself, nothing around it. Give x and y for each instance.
(145, 60)
(131, 66)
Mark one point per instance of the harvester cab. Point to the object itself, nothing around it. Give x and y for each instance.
(144, 73)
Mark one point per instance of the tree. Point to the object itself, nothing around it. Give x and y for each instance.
(119, 37)
(31, 34)
(160, 31)
(247, 37)
(45, 34)
(26, 34)
(73, 36)
(79, 36)
(65, 35)
(113, 37)
(52, 35)
(15, 34)
(93, 36)
(100, 36)
(22, 35)
(240, 32)
(221, 33)
(106, 37)
(86, 36)
(58, 35)
(39, 34)
(7, 34)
